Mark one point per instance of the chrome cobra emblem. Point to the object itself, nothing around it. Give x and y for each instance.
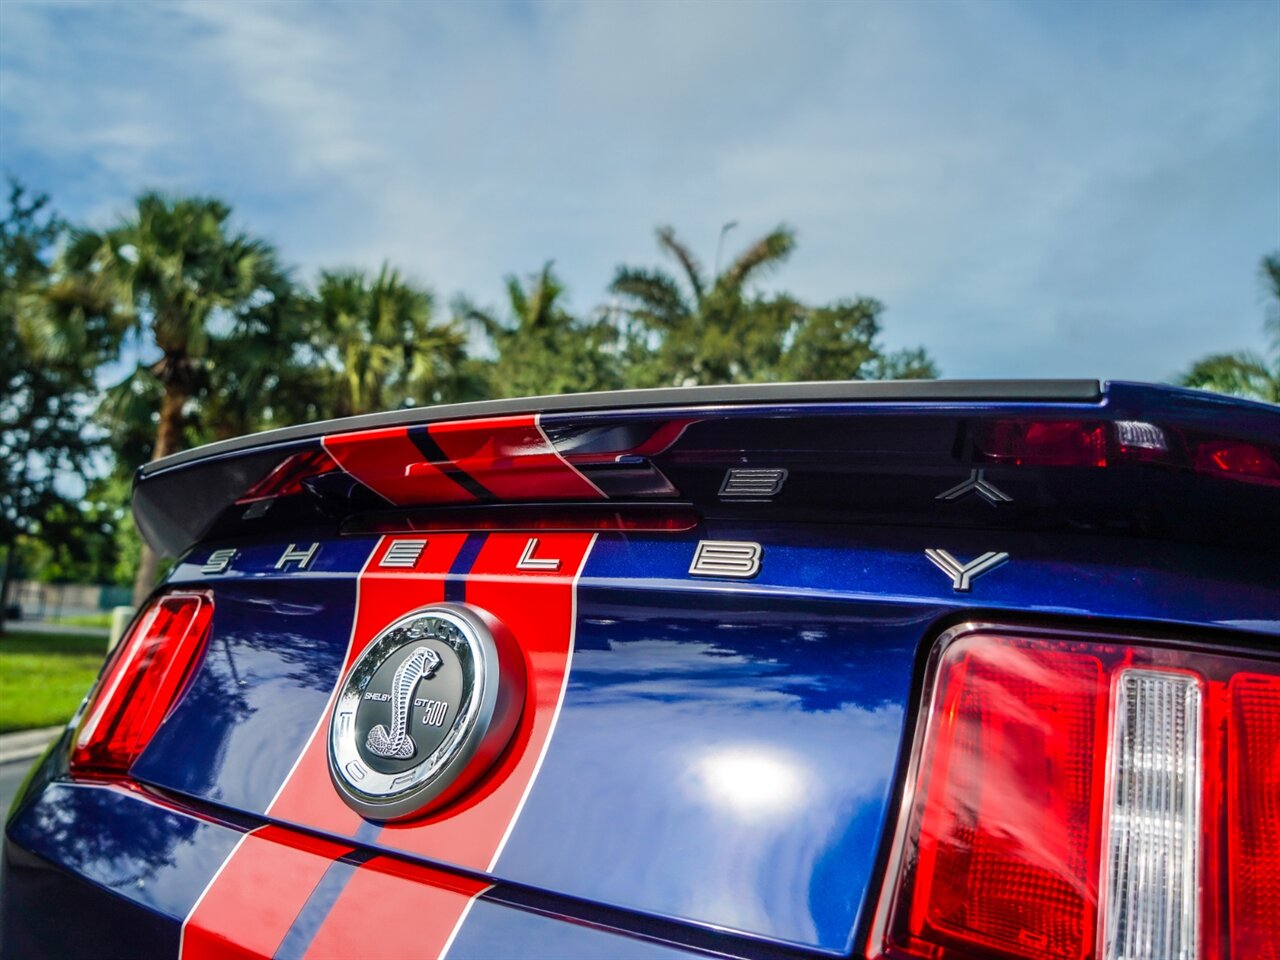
(420, 665)
(425, 709)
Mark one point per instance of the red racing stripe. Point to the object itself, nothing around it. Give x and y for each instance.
(395, 910)
(509, 457)
(391, 465)
(252, 901)
(307, 796)
(539, 607)
(249, 905)
(513, 458)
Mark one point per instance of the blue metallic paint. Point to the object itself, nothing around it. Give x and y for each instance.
(275, 647)
(782, 675)
(132, 866)
(141, 850)
(496, 930)
(728, 763)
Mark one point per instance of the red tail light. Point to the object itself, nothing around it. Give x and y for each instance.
(1078, 443)
(141, 683)
(1252, 786)
(1068, 798)
(1245, 461)
(1049, 443)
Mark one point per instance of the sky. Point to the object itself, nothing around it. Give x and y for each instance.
(1033, 190)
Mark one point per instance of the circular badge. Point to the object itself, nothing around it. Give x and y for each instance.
(425, 710)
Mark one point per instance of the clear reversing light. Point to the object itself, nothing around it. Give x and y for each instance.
(1133, 435)
(1153, 863)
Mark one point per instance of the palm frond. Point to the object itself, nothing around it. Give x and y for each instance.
(692, 268)
(131, 402)
(654, 294)
(769, 251)
(547, 291)
(516, 298)
(1242, 374)
(467, 311)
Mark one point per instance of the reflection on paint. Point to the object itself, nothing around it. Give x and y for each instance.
(734, 777)
(751, 782)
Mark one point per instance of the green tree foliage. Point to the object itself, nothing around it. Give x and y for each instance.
(44, 394)
(1245, 373)
(540, 347)
(375, 345)
(257, 372)
(179, 280)
(219, 340)
(701, 329)
(80, 541)
(706, 329)
(184, 285)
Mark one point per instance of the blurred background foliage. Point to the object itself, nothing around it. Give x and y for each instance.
(174, 328)
(1247, 373)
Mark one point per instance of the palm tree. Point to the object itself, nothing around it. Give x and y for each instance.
(257, 373)
(379, 346)
(694, 332)
(1245, 373)
(181, 278)
(542, 348)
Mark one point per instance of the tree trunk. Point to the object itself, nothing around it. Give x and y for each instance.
(168, 440)
(4, 585)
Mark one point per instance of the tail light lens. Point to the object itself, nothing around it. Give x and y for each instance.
(1253, 815)
(1251, 462)
(1077, 443)
(1088, 799)
(141, 683)
(1049, 443)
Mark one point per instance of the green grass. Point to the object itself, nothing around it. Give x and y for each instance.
(44, 676)
(87, 620)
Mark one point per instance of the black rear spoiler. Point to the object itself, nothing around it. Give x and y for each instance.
(858, 451)
(830, 391)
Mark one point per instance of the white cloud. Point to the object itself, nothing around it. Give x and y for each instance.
(1033, 190)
